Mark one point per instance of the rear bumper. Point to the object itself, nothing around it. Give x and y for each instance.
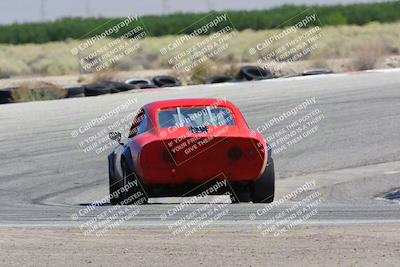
(212, 160)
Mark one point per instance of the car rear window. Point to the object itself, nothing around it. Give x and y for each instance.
(195, 117)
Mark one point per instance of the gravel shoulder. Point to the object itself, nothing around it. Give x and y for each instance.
(345, 245)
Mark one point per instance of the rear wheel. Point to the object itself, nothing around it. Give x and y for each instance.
(240, 193)
(133, 192)
(115, 196)
(262, 190)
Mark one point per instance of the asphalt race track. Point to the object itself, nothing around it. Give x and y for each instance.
(353, 157)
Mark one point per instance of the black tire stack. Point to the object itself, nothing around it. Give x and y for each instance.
(6, 96)
(166, 81)
(106, 87)
(140, 83)
(251, 73)
(246, 73)
(219, 79)
(77, 91)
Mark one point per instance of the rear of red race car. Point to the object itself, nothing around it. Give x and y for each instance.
(193, 145)
(198, 157)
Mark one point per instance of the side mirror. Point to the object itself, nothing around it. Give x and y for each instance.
(115, 136)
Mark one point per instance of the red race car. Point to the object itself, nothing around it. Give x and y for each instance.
(176, 147)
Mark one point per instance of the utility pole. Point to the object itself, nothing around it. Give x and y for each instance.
(88, 8)
(210, 5)
(165, 6)
(42, 9)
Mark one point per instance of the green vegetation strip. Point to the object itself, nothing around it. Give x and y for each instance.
(78, 28)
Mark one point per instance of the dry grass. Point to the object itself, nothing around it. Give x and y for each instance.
(338, 42)
(37, 91)
(107, 75)
(368, 55)
(320, 63)
(202, 72)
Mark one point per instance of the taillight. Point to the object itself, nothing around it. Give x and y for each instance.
(235, 153)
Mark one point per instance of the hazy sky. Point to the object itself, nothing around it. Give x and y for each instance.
(36, 10)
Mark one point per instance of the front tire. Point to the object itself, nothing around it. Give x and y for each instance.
(262, 190)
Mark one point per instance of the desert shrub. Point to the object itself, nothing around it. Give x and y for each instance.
(367, 56)
(205, 70)
(319, 63)
(37, 91)
(200, 73)
(102, 76)
(337, 42)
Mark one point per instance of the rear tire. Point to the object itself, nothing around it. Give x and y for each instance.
(262, 190)
(241, 193)
(114, 186)
(134, 194)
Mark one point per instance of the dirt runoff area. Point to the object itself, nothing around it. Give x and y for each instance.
(340, 245)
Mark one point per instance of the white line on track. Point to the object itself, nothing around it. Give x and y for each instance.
(392, 172)
(149, 224)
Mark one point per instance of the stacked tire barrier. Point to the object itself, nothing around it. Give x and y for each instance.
(78, 91)
(219, 79)
(139, 83)
(5, 96)
(246, 73)
(106, 87)
(166, 81)
(251, 73)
